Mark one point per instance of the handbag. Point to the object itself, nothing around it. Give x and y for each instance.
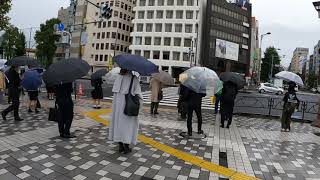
(54, 113)
(160, 95)
(132, 105)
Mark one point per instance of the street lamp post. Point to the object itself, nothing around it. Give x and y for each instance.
(260, 54)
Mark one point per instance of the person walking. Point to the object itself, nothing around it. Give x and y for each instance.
(65, 108)
(97, 92)
(14, 93)
(228, 96)
(124, 129)
(182, 105)
(2, 85)
(291, 102)
(33, 98)
(155, 97)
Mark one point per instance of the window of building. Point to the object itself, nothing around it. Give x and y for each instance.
(122, 5)
(167, 41)
(177, 41)
(160, 2)
(104, 25)
(98, 35)
(96, 58)
(176, 56)
(127, 28)
(189, 14)
(187, 42)
(138, 40)
(180, 2)
(101, 57)
(141, 15)
(122, 37)
(156, 54)
(119, 25)
(159, 14)
(112, 46)
(91, 56)
(147, 41)
(115, 13)
(149, 27)
(137, 52)
(125, 16)
(157, 41)
(92, 44)
(190, 2)
(123, 27)
(188, 28)
(146, 54)
(169, 14)
(179, 14)
(168, 28)
(121, 15)
(103, 35)
(119, 36)
(150, 14)
(185, 57)
(107, 46)
(102, 46)
(109, 23)
(127, 38)
(99, 24)
(126, 7)
(114, 24)
(118, 47)
(178, 27)
(142, 2)
(105, 57)
(158, 27)
(140, 27)
(108, 34)
(117, 4)
(170, 2)
(151, 2)
(166, 55)
(114, 34)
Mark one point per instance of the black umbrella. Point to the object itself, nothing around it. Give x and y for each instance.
(65, 71)
(22, 61)
(234, 78)
(98, 74)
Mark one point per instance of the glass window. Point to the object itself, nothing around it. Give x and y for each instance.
(188, 28)
(167, 41)
(98, 35)
(115, 13)
(108, 34)
(179, 14)
(142, 2)
(178, 28)
(114, 34)
(146, 54)
(165, 55)
(102, 46)
(177, 41)
(147, 41)
(141, 15)
(158, 28)
(109, 23)
(114, 24)
(168, 28)
(189, 14)
(170, 2)
(119, 25)
(159, 14)
(107, 45)
(105, 57)
(156, 54)
(187, 42)
(138, 40)
(160, 2)
(180, 2)
(104, 24)
(137, 52)
(176, 56)
(151, 2)
(97, 46)
(150, 14)
(101, 57)
(169, 14)
(103, 35)
(190, 2)
(157, 41)
(149, 27)
(96, 58)
(139, 27)
(185, 57)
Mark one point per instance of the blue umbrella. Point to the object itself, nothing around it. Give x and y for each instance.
(136, 63)
(31, 81)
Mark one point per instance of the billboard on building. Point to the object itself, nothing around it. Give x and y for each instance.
(227, 50)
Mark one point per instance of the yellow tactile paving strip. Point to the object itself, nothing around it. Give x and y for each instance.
(229, 173)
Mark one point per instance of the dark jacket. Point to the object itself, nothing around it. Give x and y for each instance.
(291, 97)
(14, 78)
(229, 93)
(63, 91)
(191, 97)
(97, 83)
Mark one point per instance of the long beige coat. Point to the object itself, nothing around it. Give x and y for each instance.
(156, 87)
(2, 82)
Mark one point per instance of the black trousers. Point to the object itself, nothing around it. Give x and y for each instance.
(65, 107)
(14, 95)
(154, 107)
(197, 109)
(226, 113)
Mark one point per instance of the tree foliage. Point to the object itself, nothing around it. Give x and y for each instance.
(5, 6)
(46, 39)
(271, 53)
(10, 40)
(21, 45)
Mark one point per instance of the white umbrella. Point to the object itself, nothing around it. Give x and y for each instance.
(290, 76)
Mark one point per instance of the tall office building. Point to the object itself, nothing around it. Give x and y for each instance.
(165, 32)
(300, 55)
(254, 52)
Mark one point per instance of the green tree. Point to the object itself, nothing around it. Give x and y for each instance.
(270, 55)
(10, 39)
(21, 45)
(312, 80)
(5, 6)
(46, 39)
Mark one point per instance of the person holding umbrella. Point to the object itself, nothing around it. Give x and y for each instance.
(96, 82)
(156, 93)
(31, 81)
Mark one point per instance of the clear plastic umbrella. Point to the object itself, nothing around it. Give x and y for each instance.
(200, 80)
(290, 76)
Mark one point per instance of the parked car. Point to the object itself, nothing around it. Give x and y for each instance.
(269, 88)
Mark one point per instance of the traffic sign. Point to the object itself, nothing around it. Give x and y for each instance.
(61, 27)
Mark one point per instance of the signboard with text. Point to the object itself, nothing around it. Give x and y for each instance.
(227, 50)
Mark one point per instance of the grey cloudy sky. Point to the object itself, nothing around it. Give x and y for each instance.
(293, 23)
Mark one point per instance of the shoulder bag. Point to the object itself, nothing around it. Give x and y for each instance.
(132, 103)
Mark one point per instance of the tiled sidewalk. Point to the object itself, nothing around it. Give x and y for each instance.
(31, 149)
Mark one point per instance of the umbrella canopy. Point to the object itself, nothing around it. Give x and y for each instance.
(65, 71)
(164, 77)
(31, 80)
(22, 61)
(136, 63)
(200, 80)
(234, 78)
(290, 76)
(99, 73)
(112, 75)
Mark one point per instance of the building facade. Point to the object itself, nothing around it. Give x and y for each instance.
(226, 36)
(165, 32)
(254, 52)
(300, 55)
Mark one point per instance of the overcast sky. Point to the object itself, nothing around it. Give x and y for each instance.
(293, 23)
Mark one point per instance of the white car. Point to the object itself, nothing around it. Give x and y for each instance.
(270, 88)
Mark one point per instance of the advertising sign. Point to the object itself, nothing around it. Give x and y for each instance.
(227, 50)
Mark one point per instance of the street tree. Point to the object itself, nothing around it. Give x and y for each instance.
(21, 45)
(271, 57)
(5, 7)
(45, 39)
(312, 80)
(9, 43)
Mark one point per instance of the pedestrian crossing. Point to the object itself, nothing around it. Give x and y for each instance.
(171, 97)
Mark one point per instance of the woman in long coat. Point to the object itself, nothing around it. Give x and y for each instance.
(123, 128)
(97, 92)
(156, 88)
